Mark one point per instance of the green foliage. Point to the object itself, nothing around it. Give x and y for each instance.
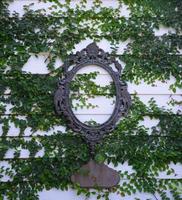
(147, 58)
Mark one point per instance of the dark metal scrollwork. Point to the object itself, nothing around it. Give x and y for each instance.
(92, 54)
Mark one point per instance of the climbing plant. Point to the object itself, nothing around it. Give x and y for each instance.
(147, 57)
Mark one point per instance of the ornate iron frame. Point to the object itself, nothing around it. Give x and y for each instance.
(92, 54)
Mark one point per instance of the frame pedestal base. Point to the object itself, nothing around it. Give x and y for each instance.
(94, 175)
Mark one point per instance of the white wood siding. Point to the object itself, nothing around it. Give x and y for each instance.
(159, 91)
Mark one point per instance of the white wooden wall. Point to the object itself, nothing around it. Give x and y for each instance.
(159, 91)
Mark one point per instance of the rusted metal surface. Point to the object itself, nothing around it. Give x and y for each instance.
(93, 175)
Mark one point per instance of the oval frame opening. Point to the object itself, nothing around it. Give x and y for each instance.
(71, 77)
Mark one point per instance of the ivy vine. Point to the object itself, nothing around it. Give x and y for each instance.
(147, 57)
